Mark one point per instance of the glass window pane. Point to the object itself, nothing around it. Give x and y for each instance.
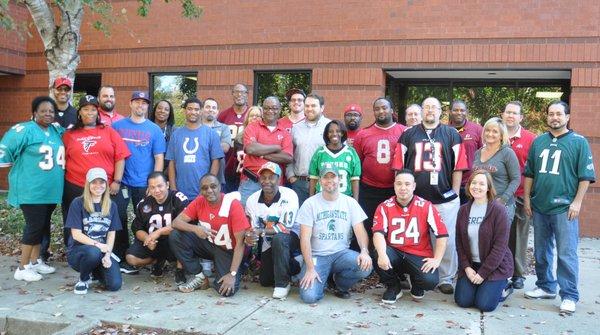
(277, 83)
(175, 88)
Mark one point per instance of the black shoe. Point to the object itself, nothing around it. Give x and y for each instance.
(391, 294)
(180, 277)
(417, 293)
(341, 294)
(128, 269)
(518, 283)
(508, 290)
(404, 282)
(446, 288)
(158, 269)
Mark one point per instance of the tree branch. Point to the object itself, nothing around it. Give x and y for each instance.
(44, 20)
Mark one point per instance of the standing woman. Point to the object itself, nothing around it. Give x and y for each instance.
(498, 158)
(253, 114)
(35, 152)
(336, 152)
(485, 262)
(163, 116)
(93, 220)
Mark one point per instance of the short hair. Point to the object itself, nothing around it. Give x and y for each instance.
(103, 87)
(389, 101)
(515, 103)
(192, 100)
(496, 121)
(211, 99)
(560, 103)
(209, 175)
(157, 174)
(37, 101)
(272, 97)
(458, 101)
(342, 127)
(316, 96)
(236, 84)
(170, 119)
(491, 192)
(414, 105)
(405, 171)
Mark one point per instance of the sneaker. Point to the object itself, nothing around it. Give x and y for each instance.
(81, 287)
(446, 288)
(42, 268)
(27, 274)
(518, 283)
(198, 281)
(539, 293)
(391, 294)
(281, 292)
(417, 293)
(341, 294)
(158, 269)
(207, 267)
(567, 306)
(508, 290)
(128, 269)
(180, 276)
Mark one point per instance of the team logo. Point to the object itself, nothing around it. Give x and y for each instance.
(519, 146)
(468, 137)
(146, 209)
(160, 208)
(279, 137)
(87, 144)
(211, 216)
(331, 225)
(190, 154)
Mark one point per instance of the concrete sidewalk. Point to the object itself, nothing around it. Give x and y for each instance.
(49, 306)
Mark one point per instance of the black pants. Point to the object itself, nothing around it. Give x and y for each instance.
(189, 249)
(70, 192)
(369, 198)
(405, 263)
(277, 262)
(37, 222)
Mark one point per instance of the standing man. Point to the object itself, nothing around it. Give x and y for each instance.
(520, 140)
(375, 145)
(413, 115)
(264, 141)
(218, 236)
(327, 220)
(194, 150)
(295, 98)
(66, 115)
(352, 120)
(209, 118)
(435, 153)
(558, 172)
(272, 212)
(106, 98)
(307, 137)
(470, 132)
(234, 118)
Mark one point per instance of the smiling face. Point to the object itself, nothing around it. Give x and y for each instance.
(296, 103)
(62, 94)
(413, 116)
(458, 113)
(312, 109)
(97, 187)
(162, 112)
(44, 114)
(512, 116)
(139, 108)
(106, 98)
(330, 183)
(158, 188)
(479, 187)
(492, 135)
(268, 182)
(271, 111)
(88, 115)
(210, 188)
(432, 110)
(557, 118)
(210, 110)
(240, 95)
(192, 113)
(334, 135)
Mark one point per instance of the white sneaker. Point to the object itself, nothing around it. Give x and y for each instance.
(567, 306)
(539, 293)
(281, 292)
(81, 287)
(42, 268)
(27, 274)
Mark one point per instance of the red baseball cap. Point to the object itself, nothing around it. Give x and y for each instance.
(60, 81)
(353, 108)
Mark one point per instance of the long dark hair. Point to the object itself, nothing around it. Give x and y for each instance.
(340, 125)
(170, 119)
(79, 124)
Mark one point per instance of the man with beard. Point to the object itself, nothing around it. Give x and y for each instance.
(194, 150)
(295, 98)
(352, 120)
(234, 117)
(66, 115)
(106, 98)
(412, 115)
(209, 118)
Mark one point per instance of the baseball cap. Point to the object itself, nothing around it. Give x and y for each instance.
(140, 95)
(60, 81)
(292, 91)
(88, 100)
(353, 108)
(95, 173)
(273, 167)
(329, 168)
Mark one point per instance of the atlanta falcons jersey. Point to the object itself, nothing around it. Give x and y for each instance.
(151, 216)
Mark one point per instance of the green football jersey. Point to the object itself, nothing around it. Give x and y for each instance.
(37, 160)
(557, 165)
(347, 162)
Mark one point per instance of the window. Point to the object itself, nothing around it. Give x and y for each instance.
(85, 83)
(267, 83)
(176, 88)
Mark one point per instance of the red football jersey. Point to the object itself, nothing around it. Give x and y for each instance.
(235, 123)
(375, 146)
(227, 218)
(407, 228)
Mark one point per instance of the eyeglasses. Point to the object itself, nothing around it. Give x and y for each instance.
(297, 100)
(63, 89)
(430, 108)
(239, 92)
(271, 108)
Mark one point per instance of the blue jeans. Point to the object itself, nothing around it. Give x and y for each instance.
(87, 259)
(485, 296)
(300, 186)
(402, 263)
(344, 268)
(247, 187)
(546, 230)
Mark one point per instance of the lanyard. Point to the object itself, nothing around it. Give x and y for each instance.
(432, 143)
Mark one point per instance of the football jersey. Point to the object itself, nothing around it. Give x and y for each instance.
(347, 162)
(440, 152)
(557, 165)
(375, 147)
(235, 123)
(282, 211)
(407, 228)
(226, 217)
(37, 160)
(151, 216)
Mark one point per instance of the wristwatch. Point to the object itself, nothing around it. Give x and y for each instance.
(233, 273)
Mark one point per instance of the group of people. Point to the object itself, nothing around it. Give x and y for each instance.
(426, 205)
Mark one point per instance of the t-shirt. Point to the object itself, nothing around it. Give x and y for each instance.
(192, 151)
(144, 140)
(476, 216)
(108, 120)
(503, 166)
(375, 147)
(440, 152)
(235, 122)
(331, 222)
(226, 217)
(93, 225)
(282, 211)
(151, 216)
(408, 228)
(521, 143)
(225, 135)
(37, 160)
(66, 118)
(557, 165)
(347, 162)
(259, 132)
(100, 146)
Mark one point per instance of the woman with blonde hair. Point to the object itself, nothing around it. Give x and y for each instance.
(253, 114)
